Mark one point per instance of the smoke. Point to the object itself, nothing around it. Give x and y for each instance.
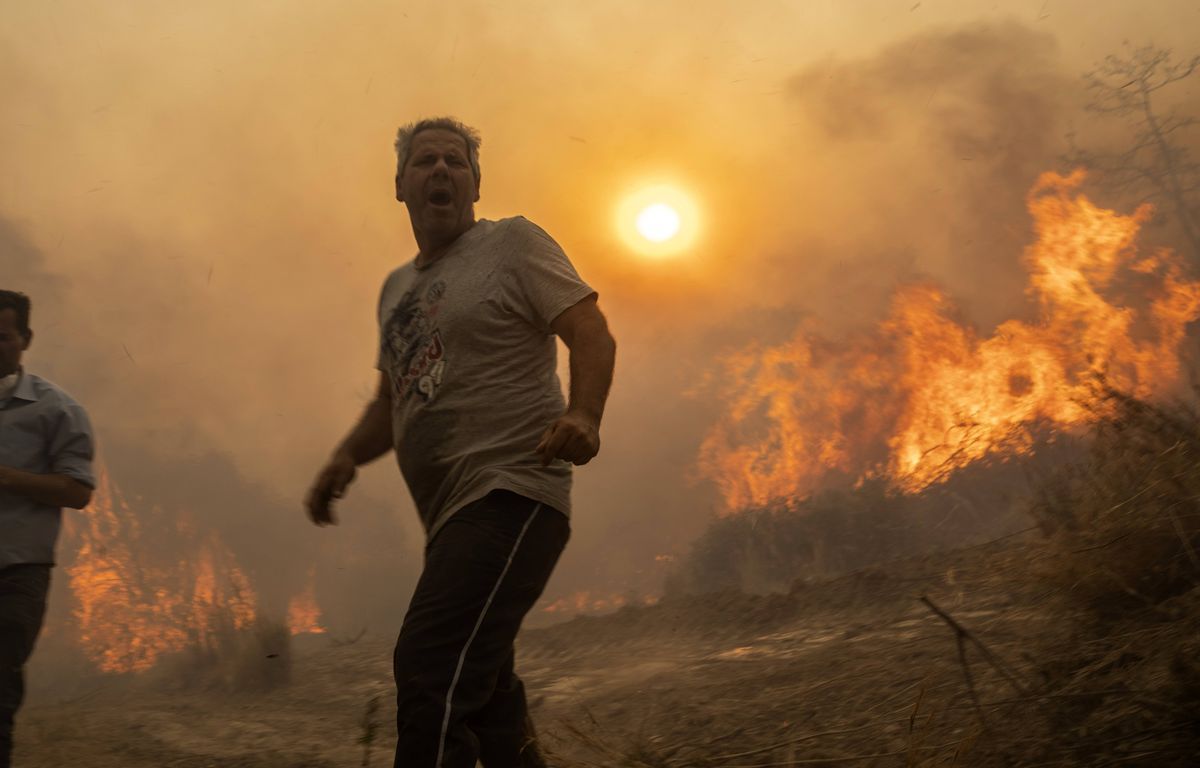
(936, 139)
(198, 198)
(25, 270)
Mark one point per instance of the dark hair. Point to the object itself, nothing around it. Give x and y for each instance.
(19, 303)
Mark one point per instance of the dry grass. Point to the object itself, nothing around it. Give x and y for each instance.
(1122, 530)
(1073, 643)
(1076, 643)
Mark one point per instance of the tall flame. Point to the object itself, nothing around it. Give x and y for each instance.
(924, 394)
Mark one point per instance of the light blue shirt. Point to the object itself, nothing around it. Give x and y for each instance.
(44, 431)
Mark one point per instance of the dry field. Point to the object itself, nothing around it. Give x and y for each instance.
(993, 667)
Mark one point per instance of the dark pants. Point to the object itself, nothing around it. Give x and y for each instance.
(458, 699)
(23, 590)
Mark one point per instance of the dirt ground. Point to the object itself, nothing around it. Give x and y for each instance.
(853, 671)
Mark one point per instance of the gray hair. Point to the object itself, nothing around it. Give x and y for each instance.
(404, 138)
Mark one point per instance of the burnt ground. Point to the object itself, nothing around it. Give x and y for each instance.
(852, 671)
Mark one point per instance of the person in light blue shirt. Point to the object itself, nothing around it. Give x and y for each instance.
(46, 451)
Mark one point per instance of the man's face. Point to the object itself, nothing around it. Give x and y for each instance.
(12, 343)
(438, 186)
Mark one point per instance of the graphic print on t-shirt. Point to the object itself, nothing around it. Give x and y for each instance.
(414, 344)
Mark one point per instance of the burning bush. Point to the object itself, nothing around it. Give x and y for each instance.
(852, 527)
(912, 419)
(924, 394)
(150, 585)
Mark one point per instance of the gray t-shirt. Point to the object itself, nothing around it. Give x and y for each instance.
(44, 431)
(467, 345)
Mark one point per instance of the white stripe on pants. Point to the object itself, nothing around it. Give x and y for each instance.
(478, 623)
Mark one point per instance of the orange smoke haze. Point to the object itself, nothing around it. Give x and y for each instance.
(198, 196)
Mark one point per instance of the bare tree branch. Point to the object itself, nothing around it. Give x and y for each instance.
(1156, 163)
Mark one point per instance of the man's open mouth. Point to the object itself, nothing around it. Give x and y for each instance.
(440, 197)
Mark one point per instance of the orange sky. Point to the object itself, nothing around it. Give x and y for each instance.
(201, 196)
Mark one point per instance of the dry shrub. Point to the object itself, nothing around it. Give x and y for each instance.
(767, 549)
(231, 659)
(1121, 685)
(1124, 524)
(841, 530)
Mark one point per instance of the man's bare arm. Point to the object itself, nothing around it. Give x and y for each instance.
(575, 436)
(370, 438)
(50, 489)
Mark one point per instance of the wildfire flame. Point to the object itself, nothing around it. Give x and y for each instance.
(925, 395)
(304, 617)
(131, 608)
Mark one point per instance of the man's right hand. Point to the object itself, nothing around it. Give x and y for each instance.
(330, 484)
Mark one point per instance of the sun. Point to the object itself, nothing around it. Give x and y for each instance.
(658, 221)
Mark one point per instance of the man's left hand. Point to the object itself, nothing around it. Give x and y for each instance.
(573, 437)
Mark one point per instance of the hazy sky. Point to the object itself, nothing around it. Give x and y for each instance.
(198, 197)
